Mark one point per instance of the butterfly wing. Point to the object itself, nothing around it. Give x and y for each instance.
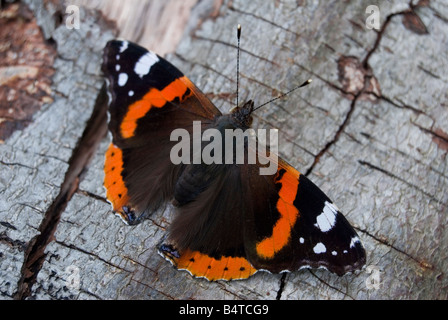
(206, 236)
(236, 221)
(246, 222)
(149, 98)
(295, 225)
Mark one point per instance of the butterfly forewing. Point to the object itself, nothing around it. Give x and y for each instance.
(149, 98)
(306, 228)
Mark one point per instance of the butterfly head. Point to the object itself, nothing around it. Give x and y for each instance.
(243, 114)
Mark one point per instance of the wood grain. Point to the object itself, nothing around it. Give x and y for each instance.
(157, 24)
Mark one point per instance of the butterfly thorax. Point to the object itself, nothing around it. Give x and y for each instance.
(197, 177)
(242, 115)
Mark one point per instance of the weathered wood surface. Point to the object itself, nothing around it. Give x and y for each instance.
(370, 131)
(148, 22)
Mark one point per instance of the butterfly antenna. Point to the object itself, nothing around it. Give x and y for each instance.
(238, 35)
(307, 82)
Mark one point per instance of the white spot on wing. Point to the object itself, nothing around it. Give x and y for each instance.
(301, 240)
(122, 79)
(144, 64)
(354, 241)
(131, 93)
(319, 248)
(124, 46)
(334, 253)
(327, 219)
(117, 67)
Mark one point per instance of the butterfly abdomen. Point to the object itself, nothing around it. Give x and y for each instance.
(194, 179)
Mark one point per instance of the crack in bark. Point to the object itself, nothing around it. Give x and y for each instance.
(72, 246)
(281, 287)
(336, 136)
(424, 264)
(329, 285)
(438, 172)
(224, 288)
(429, 72)
(353, 40)
(368, 76)
(180, 57)
(380, 34)
(433, 133)
(141, 264)
(402, 106)
(231, 7)
(29, 206)
(92, 195)
(90, 294)
(154, 289)
(16, 164)
(17, 244)
(286, 136)
(35, 254)
(348, 94)
(439, 15)
(235, 47)
(390, 174)
(71, 296)
(50, 157)
(7, 225)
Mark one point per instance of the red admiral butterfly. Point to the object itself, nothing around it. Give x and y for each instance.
(230, 221)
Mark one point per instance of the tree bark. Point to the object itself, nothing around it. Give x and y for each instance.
(370, 131)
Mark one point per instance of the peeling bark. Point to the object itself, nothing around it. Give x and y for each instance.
(26, 62)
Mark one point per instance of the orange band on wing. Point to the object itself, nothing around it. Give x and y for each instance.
(154, 98)
(117, 193)
(225, 268)
(281, 233)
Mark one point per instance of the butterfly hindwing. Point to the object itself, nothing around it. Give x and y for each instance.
(204, 266)
(206, 236)
(282, 222)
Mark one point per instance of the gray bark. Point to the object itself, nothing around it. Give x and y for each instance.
(370, 131)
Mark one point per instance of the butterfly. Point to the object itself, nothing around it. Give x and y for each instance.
(230, 221)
